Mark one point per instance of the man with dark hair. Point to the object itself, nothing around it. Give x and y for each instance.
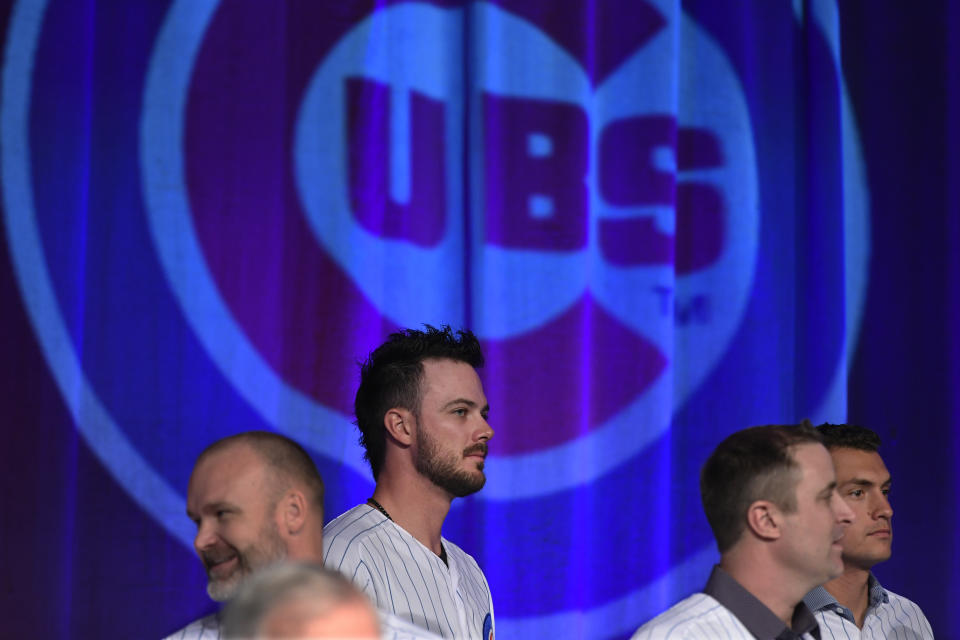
(422, 416)
(769, 494)
(854, 604)
(299, 600)
(257, 500)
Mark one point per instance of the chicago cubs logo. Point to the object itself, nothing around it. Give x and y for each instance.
(596, 220)
(396, 114)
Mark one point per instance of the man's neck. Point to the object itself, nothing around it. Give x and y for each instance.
(776, 594)
(415, 504)
(307, 548)
(852, 590)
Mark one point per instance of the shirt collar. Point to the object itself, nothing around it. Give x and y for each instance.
(819, 598)
(755, 616)
(877, 593)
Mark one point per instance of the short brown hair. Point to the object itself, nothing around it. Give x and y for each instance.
(753, 464)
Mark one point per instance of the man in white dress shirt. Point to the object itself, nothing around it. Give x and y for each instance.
(770, 497)
(854, 605)
(422, 415)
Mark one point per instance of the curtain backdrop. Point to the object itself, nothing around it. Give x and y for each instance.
(665, 220)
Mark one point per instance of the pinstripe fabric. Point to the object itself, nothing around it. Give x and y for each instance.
(699, 617)
(391, 628)
(405, 578)
(207, 628)
(395, 628)
(888, 616)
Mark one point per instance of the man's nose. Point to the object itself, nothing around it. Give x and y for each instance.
(206, 537)
(841, 510)
(882, 508)
(486, 431)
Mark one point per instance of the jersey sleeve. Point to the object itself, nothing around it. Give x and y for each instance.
(357, 564)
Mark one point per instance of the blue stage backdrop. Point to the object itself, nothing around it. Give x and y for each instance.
(665, 220)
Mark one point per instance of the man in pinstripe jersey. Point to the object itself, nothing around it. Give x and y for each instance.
(257, 500)
(422, 415)
(854, 605)
(770, 496)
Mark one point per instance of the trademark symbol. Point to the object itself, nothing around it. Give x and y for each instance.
(695, 309)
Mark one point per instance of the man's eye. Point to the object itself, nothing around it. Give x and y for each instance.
(885, 492)
(221, 513)
(460, 412)
(856, 493)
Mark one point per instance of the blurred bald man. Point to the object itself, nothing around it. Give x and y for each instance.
(299, 601)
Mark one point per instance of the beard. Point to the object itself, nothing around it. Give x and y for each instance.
(443, 468)
(267, 549)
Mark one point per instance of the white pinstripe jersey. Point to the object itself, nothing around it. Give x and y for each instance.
(405, 578)
(391, 628)
(888, 616)
(207, 628)
(699, 617)
(395, 628)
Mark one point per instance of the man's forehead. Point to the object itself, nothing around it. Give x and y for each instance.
(815, 464)
(810, 454)
(233, 454)
(452, 377)
(219, 471)
(856, 463)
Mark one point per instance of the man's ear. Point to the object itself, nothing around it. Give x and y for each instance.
(399, 425)
(292, 512)
(765, 520)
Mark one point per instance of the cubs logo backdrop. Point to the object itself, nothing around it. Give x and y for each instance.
(655, 215)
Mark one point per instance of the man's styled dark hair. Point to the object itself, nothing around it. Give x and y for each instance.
(285, 458)
(849, 436)
(753, 464)
(391, 377)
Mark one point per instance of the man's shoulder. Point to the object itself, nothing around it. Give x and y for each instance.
(900, 600)
(353, 534)
(458, 555)
(352, 526)
(908, 613)
(694, 617)
(206, 628)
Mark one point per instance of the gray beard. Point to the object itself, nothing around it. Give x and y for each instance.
(268, 549)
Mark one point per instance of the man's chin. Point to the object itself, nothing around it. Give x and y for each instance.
(836, 565)
(223, 589)
(867, 561)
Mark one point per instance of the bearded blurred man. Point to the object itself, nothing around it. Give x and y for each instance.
(257, 499)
